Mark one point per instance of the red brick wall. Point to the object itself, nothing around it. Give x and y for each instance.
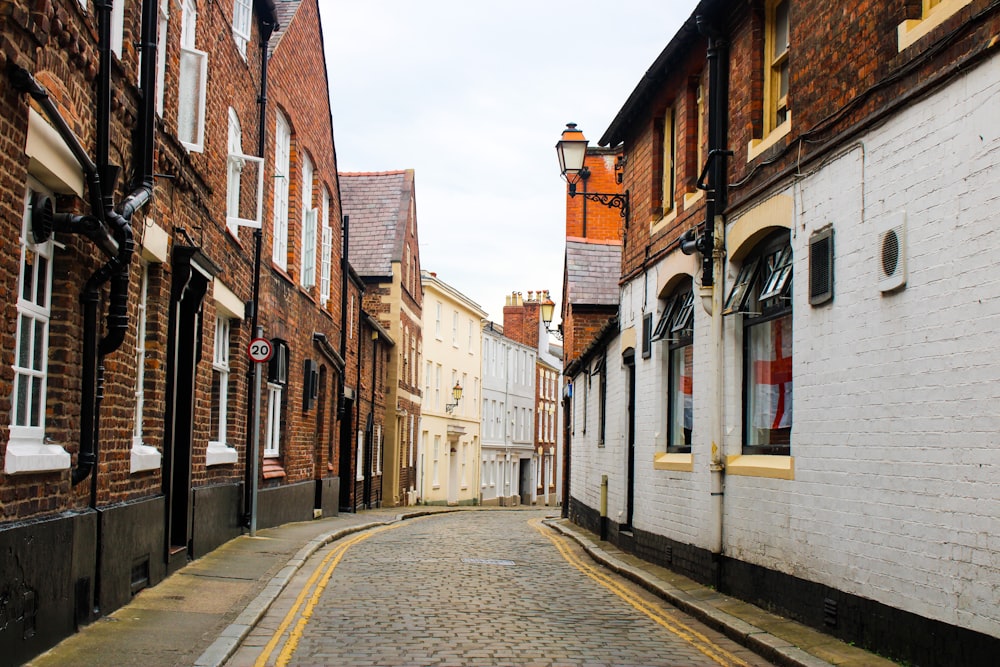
(590, 219)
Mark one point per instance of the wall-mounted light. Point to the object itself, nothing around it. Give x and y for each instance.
(456, 393)
(572, 150)
(548, 308)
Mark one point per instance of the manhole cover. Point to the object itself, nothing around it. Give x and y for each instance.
(487, 561)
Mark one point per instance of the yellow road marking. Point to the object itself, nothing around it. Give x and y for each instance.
(336, 555)
(688, 634)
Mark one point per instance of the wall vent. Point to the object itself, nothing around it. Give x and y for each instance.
(829, 612)
(821, 267)
(890, 255)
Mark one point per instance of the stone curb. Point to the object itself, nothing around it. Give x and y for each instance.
(230, 639)
(757, 640)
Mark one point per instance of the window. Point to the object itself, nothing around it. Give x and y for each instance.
(241, 25)
(191, 84)
(234, 167)
(676, 327)
(162, 23)
(26, 449)
(777, 42)
(359, 462)
(277, 379)
(219, 451)
(282, 159)
(326, 252)
(764, 299)
(117, 27)
(669, 186)
(239, 204)
(437, 321)
(143, 457)
(932, 14)
(435, 480)
(454, 328)
(309, 214)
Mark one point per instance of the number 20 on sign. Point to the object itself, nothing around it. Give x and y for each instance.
(260, 350)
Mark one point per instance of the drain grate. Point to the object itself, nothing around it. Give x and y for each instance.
(487, 561)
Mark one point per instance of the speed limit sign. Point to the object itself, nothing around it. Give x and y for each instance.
(260, 350)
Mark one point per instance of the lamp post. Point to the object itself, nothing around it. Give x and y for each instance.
(456, 393)
(572, 151)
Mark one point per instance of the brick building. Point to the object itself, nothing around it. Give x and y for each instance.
(385, 252)
(131, 295)
(302, 280)
(839, 145)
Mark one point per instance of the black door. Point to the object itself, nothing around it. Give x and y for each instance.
(192, 272)
(629, 358)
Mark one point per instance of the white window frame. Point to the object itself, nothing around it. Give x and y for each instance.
(242, 10)
(191, 83)
(219, 452)
(117, 27)
(435, 477)
(26, 447)
(235, 164)
(326, 253)
(143, 456)
(360, 464)
(272, 436)
(282, 161)
(310, 216)
(162, 25)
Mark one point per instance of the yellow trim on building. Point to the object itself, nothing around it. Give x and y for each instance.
(761, 465)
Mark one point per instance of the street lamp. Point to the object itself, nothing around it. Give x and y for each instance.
(548, 308)
(572, 150)
(456, 393)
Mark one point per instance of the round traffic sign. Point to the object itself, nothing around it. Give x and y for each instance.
(260, 350)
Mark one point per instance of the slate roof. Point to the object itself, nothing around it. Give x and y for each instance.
(592, 271)
(378, 204)
(284, 12)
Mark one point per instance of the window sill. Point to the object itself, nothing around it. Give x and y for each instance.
(911, 31)
(690, 198)
(219, 453)
(675, 462)
(757, 146)
(272, 468)
(37, 457)
(761, 465)
(144, 457)
(658, 225)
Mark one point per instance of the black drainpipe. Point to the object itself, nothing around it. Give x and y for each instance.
(718, 132)
(266, 30)
(345, 270)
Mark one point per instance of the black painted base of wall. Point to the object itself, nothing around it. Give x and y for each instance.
(328, 496)
(131, 550)
(895, 633)
(216, 517)
(53, 570)
(285, 504)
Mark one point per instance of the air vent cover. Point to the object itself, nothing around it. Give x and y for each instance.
(821, 267)
(890, 254)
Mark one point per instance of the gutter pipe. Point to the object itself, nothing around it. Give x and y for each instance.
(267, 28)
(712, 247)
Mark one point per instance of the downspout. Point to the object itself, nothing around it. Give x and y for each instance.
(253, 419)
(345, 270)
(712, 246)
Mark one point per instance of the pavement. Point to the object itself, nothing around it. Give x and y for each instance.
(201, 614)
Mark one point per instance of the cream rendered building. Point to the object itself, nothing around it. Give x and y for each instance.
(449, 443)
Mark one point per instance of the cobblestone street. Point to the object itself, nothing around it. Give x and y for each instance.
(474, 588)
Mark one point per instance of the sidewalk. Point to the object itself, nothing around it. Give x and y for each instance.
(200, 615)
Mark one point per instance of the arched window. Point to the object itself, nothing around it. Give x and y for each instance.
(762, 295)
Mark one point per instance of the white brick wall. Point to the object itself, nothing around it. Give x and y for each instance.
(896, 434)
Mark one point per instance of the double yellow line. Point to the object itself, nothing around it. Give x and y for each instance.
(313, 589)
(688, 634)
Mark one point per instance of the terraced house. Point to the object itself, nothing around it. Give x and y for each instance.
(793, 403)
(170, 193)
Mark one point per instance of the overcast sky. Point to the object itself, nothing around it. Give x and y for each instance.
(473, 95)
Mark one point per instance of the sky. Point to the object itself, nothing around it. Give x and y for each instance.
(473, 96)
